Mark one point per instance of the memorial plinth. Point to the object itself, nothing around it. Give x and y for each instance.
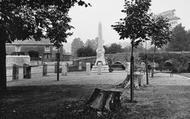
(103, 68)
(100, 59)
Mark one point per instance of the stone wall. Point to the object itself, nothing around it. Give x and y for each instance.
(19, 60)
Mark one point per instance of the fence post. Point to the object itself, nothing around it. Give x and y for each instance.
(15, 72)
(64, 67)
(80, 65)
(44, 69)
(26, 71)
(55, 68)
(58, 69)
(88, 68)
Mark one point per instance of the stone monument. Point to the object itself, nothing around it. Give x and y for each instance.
(100, 58)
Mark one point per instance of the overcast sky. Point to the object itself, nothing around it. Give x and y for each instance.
(85, 20)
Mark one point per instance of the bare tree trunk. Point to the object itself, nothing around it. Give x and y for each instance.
(131, 73)
(146, 63)
(58, 61)
(3, 85)
(152, 75)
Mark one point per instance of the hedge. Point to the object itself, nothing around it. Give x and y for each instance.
(180, 61)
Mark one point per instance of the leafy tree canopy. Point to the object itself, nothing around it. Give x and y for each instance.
(160, 31)
(135, 24)
(92, 43)
(26, 19)
(180, 40)
(86, 52)
(114, 48)
(21, 19)
(75, 45)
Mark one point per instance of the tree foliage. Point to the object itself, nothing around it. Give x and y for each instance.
(92, 43)
(75, 45)
(113, 48)
(160, 31)
(26, 19)
(27, 49)
(86, 52)
(21, 19)
(135, 25)
(180, 40)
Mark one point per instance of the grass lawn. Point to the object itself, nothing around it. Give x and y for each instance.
(67, 102)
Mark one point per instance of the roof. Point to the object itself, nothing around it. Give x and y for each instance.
(29, 42)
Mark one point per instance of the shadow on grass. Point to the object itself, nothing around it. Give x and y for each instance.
(47, 102)
(68, 102)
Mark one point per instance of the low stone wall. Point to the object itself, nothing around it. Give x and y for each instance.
(18, 60)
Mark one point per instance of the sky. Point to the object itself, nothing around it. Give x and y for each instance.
(85, 20)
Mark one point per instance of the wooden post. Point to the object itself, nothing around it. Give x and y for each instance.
(88, 68)
(131, 73)
(146, 63)
(58, 60)
(80, 65)
(64, 67)
(55, 67)
(153, 68)
(44, 73)
(3, 79)
(15, 72)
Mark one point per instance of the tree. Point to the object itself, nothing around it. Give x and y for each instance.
(75, 45)
(92, 43)
(39, 49)
(180, 41)
(33, 54)
(86, 52)
(160, 34)
(140, 48)
(114, 48)
(26, 19)
(188, 39)
(134, 26)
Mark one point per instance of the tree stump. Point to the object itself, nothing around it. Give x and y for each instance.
(102, 100)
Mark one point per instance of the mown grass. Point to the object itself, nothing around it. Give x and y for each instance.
(185, 74)
(68, 102)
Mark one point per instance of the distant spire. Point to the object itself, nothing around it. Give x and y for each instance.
(100, 39)
(100, 30)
